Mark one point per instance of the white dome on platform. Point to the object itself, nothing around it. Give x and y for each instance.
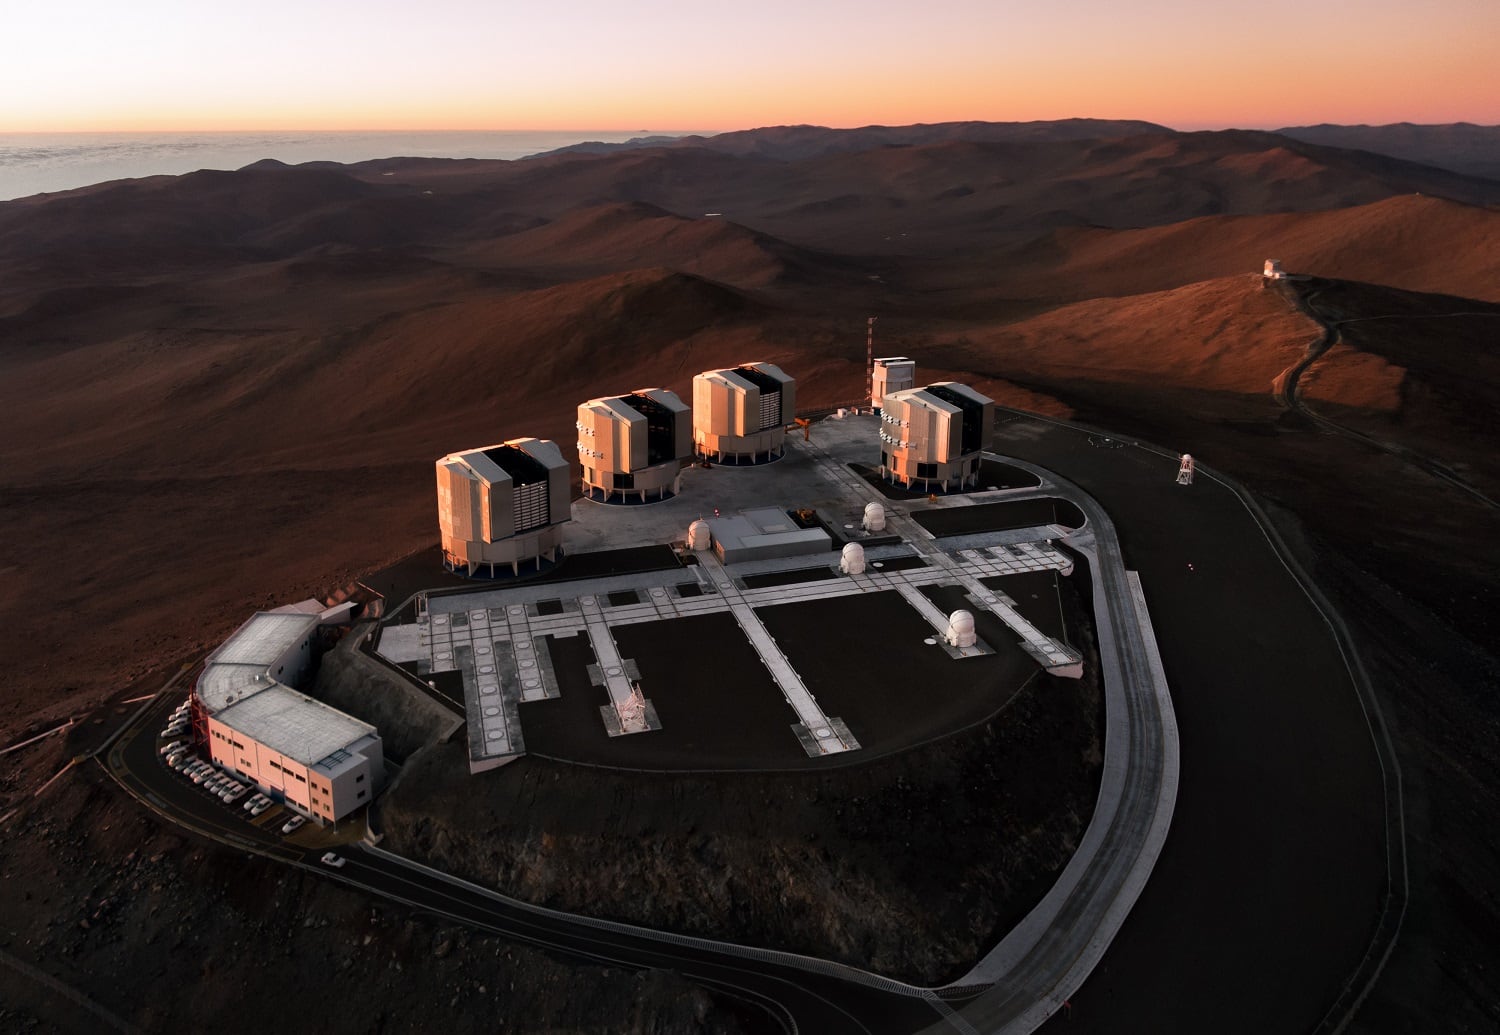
(961, 630)
(874, 517)
(699, 536)
(852, 560)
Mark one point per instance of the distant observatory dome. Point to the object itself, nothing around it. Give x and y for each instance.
(874, 517)
(699, 537)
(852, 560)
(961, 630)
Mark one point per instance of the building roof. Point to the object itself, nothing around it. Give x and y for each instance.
(264, 638)
(519, 460)
(241, 665)
(959, 389)
(923, 398)
(767, 377)
(295, 725)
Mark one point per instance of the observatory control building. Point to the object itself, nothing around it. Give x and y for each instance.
(741, 413)
(316, 758)
(502, 505)
(932, 437)
(634, 445)
(891, 374)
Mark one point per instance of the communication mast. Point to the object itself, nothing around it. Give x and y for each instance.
(1185, 472)
(870, 360)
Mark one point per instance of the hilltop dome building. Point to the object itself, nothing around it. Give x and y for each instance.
(502, 506)
(633, 447)
(740, 414)
(932, 437)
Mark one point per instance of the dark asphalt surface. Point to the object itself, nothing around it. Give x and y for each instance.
(1266, 894)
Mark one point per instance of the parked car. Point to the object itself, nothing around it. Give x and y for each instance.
(234, 795)
(331, 859)
(171, 746)
(255, 799)
(293, 824)
(258, 809)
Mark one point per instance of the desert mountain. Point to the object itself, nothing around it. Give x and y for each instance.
(1408, 241)
(1460, 146)
(792, 143)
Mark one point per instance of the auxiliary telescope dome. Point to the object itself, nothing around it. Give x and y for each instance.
(961, 630)
(699, 536)
(874, 520)
(852, 560)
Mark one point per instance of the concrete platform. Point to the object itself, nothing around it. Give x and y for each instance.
(500, 640)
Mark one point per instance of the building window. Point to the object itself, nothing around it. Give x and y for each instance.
(926, 470)
(360, 778)
(361, 794)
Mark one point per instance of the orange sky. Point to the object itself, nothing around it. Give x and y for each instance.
(464, 64)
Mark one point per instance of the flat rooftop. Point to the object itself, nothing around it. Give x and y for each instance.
(294, 724)
(241, 665)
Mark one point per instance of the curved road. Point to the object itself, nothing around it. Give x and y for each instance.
(1286, 388)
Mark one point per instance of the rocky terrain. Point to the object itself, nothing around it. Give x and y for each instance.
(225, 390)
(910, 865)
(121, 921)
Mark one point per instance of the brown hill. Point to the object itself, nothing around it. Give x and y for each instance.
(1408, 241)
(948, 196)
(1226, 335)
(632, 235)
(1460, 146)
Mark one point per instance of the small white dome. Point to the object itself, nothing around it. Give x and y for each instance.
(699, 535)
(874, 517)
(961, 629)
(852, 560)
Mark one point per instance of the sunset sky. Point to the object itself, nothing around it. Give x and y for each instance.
(490, 64)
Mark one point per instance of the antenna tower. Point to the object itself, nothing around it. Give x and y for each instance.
(870, 360)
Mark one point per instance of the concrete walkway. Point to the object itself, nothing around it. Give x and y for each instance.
(820, 734)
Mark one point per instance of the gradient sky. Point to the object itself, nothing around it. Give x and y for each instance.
(650, 64)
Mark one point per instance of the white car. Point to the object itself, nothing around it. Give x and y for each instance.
(255, 800)
(293, 824)
(234, 794)
(200, 776)
(171, 746)
(331, 859)
(258, 809)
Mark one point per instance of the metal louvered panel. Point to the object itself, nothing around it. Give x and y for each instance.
(531, 506)
(770, 409)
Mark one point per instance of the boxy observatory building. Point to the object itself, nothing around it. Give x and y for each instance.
(634, 445)
(932, 437)
(316, 758)
(740, 414)
(891, 374)
(502, 505)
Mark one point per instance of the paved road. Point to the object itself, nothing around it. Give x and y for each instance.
(1270, 890)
